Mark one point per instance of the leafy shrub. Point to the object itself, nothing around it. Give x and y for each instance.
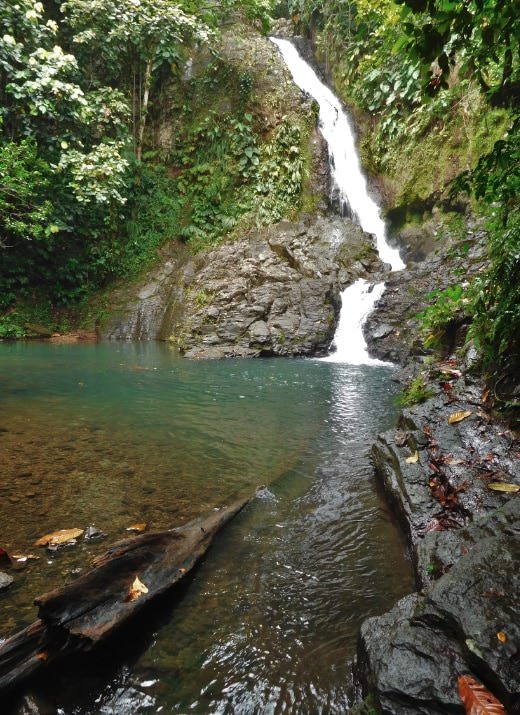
(416, 393)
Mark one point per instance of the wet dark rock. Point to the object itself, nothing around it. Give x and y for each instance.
(276, 292)
(137, 312)
(410, 658)
(34, 704)
(404, 665)
(6, 581)
(272, 292)
(470, 454)
(465, 544)
(391, 330)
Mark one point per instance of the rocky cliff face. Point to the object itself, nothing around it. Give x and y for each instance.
(272, 292)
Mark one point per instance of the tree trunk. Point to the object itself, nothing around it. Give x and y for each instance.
(147, 83)
(85, 612)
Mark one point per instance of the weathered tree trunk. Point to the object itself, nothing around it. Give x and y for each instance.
(83, 613)
(147, 83)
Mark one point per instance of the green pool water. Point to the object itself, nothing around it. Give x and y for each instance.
(112, 434)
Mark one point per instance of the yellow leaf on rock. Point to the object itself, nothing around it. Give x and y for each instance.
(458, 416)
(137, 528)
(136, 590)
(413, 459)
(504, 487)
(501, 636)
(58, 537)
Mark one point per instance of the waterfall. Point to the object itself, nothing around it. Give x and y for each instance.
(350, 183)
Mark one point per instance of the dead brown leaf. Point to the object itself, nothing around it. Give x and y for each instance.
(137, 589)
(453, 462)
(58, 537)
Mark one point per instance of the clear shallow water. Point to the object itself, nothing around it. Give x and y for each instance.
(114, 434)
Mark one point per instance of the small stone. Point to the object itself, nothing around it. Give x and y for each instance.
(5, 581)
(92, 533)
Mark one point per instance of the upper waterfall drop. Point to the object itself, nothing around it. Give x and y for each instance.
(345, 165)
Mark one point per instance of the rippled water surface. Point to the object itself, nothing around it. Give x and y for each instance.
(111, 435)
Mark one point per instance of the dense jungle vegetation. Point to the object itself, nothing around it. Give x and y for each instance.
(84, 200)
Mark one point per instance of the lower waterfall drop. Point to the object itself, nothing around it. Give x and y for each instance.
(358, 301)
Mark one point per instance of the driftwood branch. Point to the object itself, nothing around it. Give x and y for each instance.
(91, 608)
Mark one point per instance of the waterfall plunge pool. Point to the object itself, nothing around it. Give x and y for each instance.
(113, 434)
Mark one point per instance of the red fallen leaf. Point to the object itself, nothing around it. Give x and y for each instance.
(477, 699)
(447, 387)
(434, 467)
(441, 523)
(427, 431)
(451, 362)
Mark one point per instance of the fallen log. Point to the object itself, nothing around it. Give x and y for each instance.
(86, 611)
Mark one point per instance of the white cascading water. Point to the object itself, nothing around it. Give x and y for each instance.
(357, 300)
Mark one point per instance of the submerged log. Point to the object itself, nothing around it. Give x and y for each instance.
(91, 608)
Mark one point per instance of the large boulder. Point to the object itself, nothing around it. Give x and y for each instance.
(466, 622)
(275, 292)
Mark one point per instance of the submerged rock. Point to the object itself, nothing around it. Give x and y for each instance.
(5, 581)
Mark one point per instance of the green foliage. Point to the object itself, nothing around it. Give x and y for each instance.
(479, 35)
(25, 210)
(228, 175)
(436, 319)
(416, 393)
(496, 293)
(10, 328)
(281, 174)
(75, 209)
